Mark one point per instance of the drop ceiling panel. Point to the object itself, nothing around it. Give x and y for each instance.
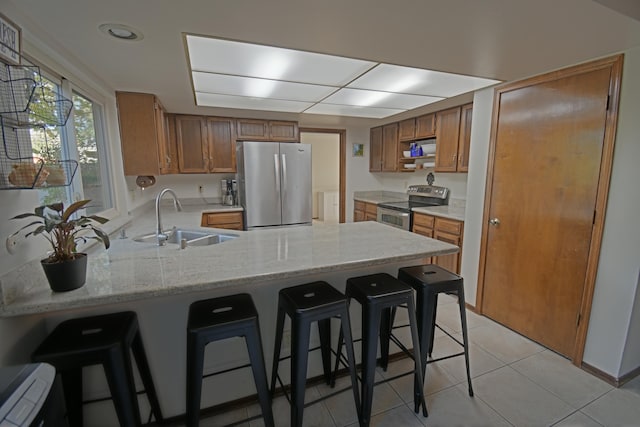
(353, 111)
(244, 59)
(393, 78)
(249, 103)
(259, 88)
(371, 98)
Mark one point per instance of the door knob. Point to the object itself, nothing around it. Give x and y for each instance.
(494, 221)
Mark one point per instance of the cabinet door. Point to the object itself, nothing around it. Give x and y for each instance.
(283, 131)
(390, 147)
(450, 262)
(227, 220)
(138, 133)
(464, 142)
(252, 130)
(425, 126)
(407, 130)
(191, 138)
(167, 149)
(358, 211)
(370, 212)
(222, 150)
(447, 136)
(375, 149)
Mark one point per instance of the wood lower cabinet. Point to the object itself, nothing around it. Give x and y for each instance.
(228, 220)
(147, 148)
(363, 211)
(443, 229)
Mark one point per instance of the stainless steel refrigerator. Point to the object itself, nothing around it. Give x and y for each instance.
(274, 183)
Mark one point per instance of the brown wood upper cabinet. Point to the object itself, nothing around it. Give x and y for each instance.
(426, 126)
(267, 130)
(205, 144)
(375, 149)
(144, 135)
(390, 147)
(453, 139)
(407, 130)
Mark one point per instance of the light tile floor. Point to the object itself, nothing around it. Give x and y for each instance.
(516, 383)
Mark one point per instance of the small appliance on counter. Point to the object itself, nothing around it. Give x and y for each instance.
(229, 192)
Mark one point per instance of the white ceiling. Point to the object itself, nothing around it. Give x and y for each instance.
(499, 39)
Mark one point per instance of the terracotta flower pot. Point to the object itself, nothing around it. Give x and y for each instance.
(67, 275)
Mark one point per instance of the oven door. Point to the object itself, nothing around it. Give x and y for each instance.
(394, 218)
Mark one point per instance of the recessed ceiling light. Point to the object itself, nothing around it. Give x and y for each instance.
(120, 31)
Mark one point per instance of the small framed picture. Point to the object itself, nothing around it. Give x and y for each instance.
(10, 41)
(358, 150)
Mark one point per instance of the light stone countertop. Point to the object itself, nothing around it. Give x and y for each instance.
(377, 197)
(130, 270)
(454, 210)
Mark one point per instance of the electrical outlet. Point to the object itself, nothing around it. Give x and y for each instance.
(200, 189)
(11, 243)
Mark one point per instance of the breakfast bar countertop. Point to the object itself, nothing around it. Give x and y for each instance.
(130, 270)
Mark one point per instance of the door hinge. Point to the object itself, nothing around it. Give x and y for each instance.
(578, 317)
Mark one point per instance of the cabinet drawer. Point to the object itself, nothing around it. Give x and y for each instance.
(450, 226)
(423, 231)
(358, 205)
(229, 220)
(423, 220)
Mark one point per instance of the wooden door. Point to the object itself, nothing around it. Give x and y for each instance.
(375, 149)
(544, 188)
(191, 138)
(222, 145)
(447, 136)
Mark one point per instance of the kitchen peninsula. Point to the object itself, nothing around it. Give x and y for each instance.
(159, 283)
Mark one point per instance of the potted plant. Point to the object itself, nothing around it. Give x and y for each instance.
(65, 268)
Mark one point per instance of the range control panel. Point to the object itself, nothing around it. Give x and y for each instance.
(428, 191)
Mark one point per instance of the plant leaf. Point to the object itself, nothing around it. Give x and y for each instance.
(73, 208)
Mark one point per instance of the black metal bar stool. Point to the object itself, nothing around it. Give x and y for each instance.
(217, 319)
(107, 340)
(378, 293)
(429, 281)
(311, 302)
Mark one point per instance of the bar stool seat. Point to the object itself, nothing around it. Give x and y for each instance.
(107, 340)
(217, 319)
(430, 280)
(304, 304)
(378, 294)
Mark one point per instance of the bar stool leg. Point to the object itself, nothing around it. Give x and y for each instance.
(145, 374)
(299, 358)
(254, 347)
(345, 331)
(195, 356)
(386, 324)
(419, 377)
(276, 349)
(124, 397)
(465, 339)
(72, 386)
(324, 331)
(370, 330)
(433, 296)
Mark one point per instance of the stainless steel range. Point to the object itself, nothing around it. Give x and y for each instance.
(399, 215)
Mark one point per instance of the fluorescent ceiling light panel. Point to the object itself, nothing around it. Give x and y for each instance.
(230, 74)
(370, 98)
(416, 81)
(259, 88)
(250, 60)
(248, 103)
(352, 110)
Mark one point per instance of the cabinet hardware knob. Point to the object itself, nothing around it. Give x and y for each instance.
(494, 221)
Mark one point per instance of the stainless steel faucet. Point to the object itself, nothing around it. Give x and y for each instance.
(161, 236)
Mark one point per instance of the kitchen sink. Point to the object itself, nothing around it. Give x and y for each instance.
(191, 237)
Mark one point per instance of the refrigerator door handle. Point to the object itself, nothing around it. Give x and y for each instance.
(284, 175)
(277, 174)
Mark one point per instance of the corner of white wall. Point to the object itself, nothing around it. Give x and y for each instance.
(476, 181)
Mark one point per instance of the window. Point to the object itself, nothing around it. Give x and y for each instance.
(82, 140)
